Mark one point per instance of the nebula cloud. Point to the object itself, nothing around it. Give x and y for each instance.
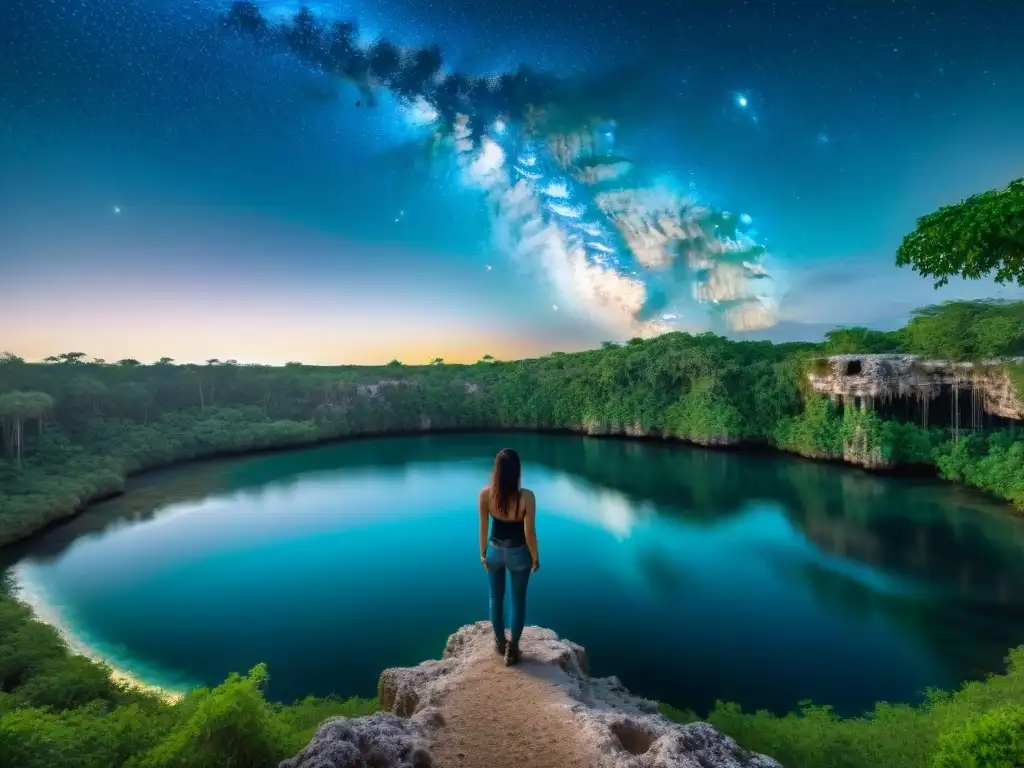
(633, 256)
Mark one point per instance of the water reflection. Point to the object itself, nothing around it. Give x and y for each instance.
(709, 534)
(664, 574)
(933, 531)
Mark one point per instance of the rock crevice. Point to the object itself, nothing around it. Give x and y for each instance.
(467, 709)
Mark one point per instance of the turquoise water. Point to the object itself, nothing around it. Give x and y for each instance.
(692, 575)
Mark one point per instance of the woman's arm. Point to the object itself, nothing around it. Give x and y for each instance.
(482, 506)
(530, 524)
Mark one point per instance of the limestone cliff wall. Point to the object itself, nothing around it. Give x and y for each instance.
(888, 377)
(594, 428)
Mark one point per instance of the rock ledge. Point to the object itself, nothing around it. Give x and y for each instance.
(621, 730)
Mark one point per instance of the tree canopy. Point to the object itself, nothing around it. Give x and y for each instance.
(977, 237)
(966, 330)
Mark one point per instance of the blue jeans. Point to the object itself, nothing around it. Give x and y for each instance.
(517, 561)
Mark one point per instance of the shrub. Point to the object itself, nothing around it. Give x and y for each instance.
(993, 740)
(231, 725)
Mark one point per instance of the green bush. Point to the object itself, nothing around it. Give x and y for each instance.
(1016, 373)
(906, 443)
(817, 432)
(91, 736)
(967, 330)
(231, 725)
(993, 462)
(66, 683)
(704, 413)
(947, 730)
(993, 740)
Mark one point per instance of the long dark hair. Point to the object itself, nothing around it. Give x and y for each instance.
(505, 484)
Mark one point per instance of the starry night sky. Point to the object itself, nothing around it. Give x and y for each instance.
(169, 189)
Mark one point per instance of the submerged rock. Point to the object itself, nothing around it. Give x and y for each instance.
(467, 709)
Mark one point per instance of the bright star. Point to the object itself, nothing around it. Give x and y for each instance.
(742, 101)
(117, 209)
(489, 267)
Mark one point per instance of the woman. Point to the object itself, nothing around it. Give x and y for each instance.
(512, 546)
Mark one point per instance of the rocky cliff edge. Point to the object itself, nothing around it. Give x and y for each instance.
(468, 710)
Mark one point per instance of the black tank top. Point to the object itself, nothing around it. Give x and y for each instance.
(511, 531)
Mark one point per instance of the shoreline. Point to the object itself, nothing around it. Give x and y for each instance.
(32, 597)
(29, 593)
(751, 446)
(44, 611)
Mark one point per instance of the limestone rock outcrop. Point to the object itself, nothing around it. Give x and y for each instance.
(377, 741)
(594, 428)
(864, 378)
(605, 725)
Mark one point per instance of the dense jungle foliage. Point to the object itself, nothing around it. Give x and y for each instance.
(74, 428)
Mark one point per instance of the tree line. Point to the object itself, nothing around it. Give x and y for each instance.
(73, 428)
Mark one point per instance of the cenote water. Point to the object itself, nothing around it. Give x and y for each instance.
(692, 575)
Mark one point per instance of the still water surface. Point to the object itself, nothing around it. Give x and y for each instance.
(692, 575)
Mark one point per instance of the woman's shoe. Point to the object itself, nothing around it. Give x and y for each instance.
(500, 646)
(511, 653)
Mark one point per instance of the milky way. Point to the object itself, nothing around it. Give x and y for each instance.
(630, 254)
(241, 153)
